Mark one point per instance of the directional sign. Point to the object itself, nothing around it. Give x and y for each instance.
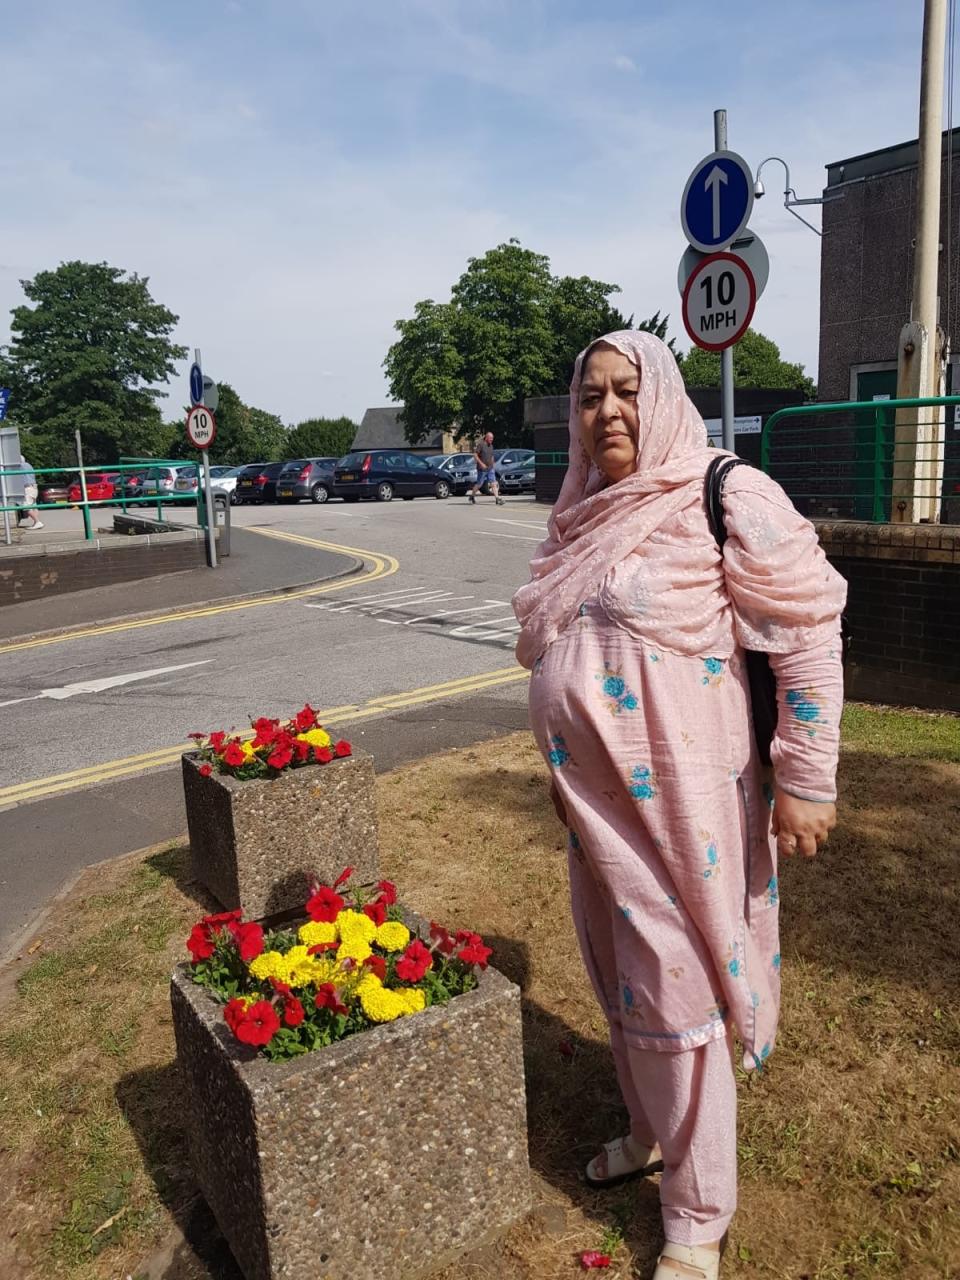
(4, 397)
(749, 247)
(211, 394)
(201, 427)
(718, 301)
(196, 384)
(717, 201)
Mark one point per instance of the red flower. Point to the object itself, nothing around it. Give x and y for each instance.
(259, 1024)
(281, 988)
(414, 962)
(266, 731)
(325, 905)
(249, 940)
(475, 953)
(233, 754)
(206, 770)
(376, 911)
(197, 737)
(293, 1013)
(200, 944)
(376, 964)
(322, 755)
(442, 939)
(591, 1258)
(302, 749)
(319, 947)
(343, 748)
(388, 892)
(234, 1013)
(305, 719)
(280, 757)
(223, 917)
(326, 998)
(343, 877)
(217, 740)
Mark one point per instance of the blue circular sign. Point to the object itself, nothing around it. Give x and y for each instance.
(717, 201)
(196, 384)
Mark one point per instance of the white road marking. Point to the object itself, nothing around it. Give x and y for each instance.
(99, 686)
(380, 605)
(470, 629)
(520, 537)
(445, 613)
(521, 524)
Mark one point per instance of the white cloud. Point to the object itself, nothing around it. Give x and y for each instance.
(623, 63)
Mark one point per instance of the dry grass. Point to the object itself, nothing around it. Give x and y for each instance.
(849, 1142)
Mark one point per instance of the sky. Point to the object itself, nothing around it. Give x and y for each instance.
(294, 175)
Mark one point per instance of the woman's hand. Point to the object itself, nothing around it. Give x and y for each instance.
(801, 826)
(558, 803)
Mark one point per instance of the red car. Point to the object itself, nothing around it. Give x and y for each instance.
(101, 487)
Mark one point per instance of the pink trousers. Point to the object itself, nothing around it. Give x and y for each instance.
(684, 1100)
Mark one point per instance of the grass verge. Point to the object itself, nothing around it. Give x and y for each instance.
(849, 1141)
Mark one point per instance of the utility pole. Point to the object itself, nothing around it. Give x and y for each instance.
(918, 447)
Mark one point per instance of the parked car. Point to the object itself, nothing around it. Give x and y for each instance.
(56, 490)
(383, 473)
(188, 480)
(102, 486)
(306, 478)
(521, 478)
(459, 468)
(258, 482)
(505, 458)
(161, 481)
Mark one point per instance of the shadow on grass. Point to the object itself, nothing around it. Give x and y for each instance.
(174, 864)
(883, 899)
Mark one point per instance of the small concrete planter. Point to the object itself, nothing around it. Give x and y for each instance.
(257, 844)
(382, 1157)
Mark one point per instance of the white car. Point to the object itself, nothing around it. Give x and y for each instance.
(221, 477)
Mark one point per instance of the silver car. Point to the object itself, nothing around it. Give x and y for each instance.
(459, 468)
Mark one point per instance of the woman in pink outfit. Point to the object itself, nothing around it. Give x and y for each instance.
(634, 625)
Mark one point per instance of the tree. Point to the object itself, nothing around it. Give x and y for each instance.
(321, 438)
(88, 356)
(756, 363)
(510, 330)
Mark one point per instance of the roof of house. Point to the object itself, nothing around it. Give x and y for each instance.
(382, 429)
(902, 155)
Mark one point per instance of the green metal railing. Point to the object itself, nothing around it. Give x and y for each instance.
(123, 497)
(855, 459)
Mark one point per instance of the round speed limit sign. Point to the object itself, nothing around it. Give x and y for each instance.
(201, 427)
(718, 301)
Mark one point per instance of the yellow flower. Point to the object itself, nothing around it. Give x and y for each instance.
(249, 751)
(269, 964)
(316, 931)
(379, 1004)
(392, 936)
(413, 998)
(316, 737)
(354, 949)
(354, 926)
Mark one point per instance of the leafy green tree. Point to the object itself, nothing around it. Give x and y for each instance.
(321, 438)
(510, 330)
(88, 355)
(244, 434)
(756, 363)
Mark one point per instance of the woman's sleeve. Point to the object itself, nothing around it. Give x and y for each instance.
(809, 703)
(787, 600)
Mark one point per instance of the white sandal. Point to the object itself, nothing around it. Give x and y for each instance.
(704, 1261)
(624, 1161)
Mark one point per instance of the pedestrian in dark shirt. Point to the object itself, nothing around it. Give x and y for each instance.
(486, 471)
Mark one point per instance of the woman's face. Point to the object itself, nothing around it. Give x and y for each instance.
(609, 420)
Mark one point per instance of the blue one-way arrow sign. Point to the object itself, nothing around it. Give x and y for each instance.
(717, 201)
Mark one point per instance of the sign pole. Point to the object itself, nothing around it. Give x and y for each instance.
(726, 355)
(207, 492)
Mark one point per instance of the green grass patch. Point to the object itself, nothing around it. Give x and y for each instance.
(887, 732)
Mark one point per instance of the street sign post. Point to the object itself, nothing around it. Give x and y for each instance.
(717, 200)
(718, 301)
(4, 401)
(201, 431)
(211, 394)
(749, 247)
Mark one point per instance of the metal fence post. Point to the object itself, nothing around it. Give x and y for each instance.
(879, 513)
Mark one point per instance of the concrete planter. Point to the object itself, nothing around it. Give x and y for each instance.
(257, 844)
(382, 1157)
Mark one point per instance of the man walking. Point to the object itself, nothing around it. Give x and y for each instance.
(27, 509)
(486, 471)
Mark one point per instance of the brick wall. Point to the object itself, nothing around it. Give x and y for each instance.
(903, 608)
(35, 576)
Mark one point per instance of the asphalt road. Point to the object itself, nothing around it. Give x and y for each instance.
(443, 613)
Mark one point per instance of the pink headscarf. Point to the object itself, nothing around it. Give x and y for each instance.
(594, 525)
(644, 548)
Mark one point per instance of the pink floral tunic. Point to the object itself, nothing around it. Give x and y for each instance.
(652, 752)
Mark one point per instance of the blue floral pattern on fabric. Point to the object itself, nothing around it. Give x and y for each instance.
(773, 892)
(776, 962)
(558, 755)
(714, 672)
(614, 689)
(804, 705)
(628, 995)
(641, 784)
(626, 913)
(768, 794)
(712, 855)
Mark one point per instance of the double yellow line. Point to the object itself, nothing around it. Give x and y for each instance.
(109, 770)
(378, 565)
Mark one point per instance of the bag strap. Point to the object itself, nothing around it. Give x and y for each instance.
(713, 483)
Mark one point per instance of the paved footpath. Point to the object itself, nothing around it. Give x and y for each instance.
(413, 653)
